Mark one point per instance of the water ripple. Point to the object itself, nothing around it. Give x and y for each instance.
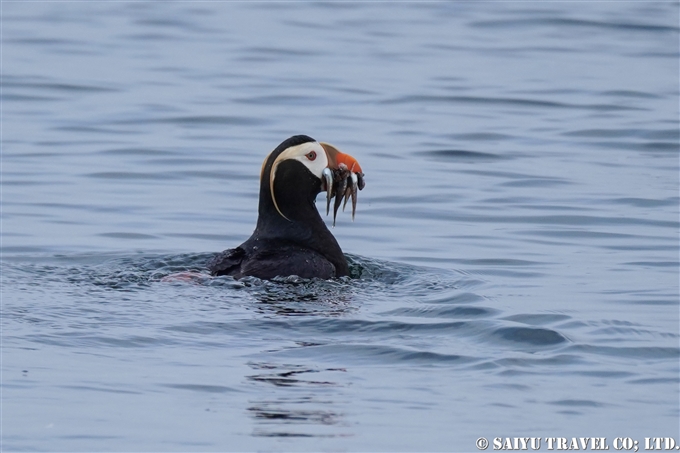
(532, 336)
(512, 102)
(574, 23)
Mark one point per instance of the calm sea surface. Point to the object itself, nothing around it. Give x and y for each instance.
(514, 255)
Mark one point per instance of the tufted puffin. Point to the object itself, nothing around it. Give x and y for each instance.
(290, 237)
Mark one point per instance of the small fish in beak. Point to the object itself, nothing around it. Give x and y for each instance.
(342, 185)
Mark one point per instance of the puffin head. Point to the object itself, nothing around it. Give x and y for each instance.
(299, 169)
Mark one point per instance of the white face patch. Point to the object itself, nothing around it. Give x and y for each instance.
(311, 154)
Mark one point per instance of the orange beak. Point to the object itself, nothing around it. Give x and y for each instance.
(341, 179)
(337, 157)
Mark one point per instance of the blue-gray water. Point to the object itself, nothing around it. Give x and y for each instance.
(514, 254)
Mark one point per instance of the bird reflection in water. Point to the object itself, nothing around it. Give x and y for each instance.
(303, 297)
(310, 414)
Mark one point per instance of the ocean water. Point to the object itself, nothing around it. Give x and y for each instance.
(514, 255)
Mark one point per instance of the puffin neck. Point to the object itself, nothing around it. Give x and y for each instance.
(296, 192)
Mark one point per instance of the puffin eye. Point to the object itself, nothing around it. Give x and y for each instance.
(311, 155)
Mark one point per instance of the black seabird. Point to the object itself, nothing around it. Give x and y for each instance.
(290, 237)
